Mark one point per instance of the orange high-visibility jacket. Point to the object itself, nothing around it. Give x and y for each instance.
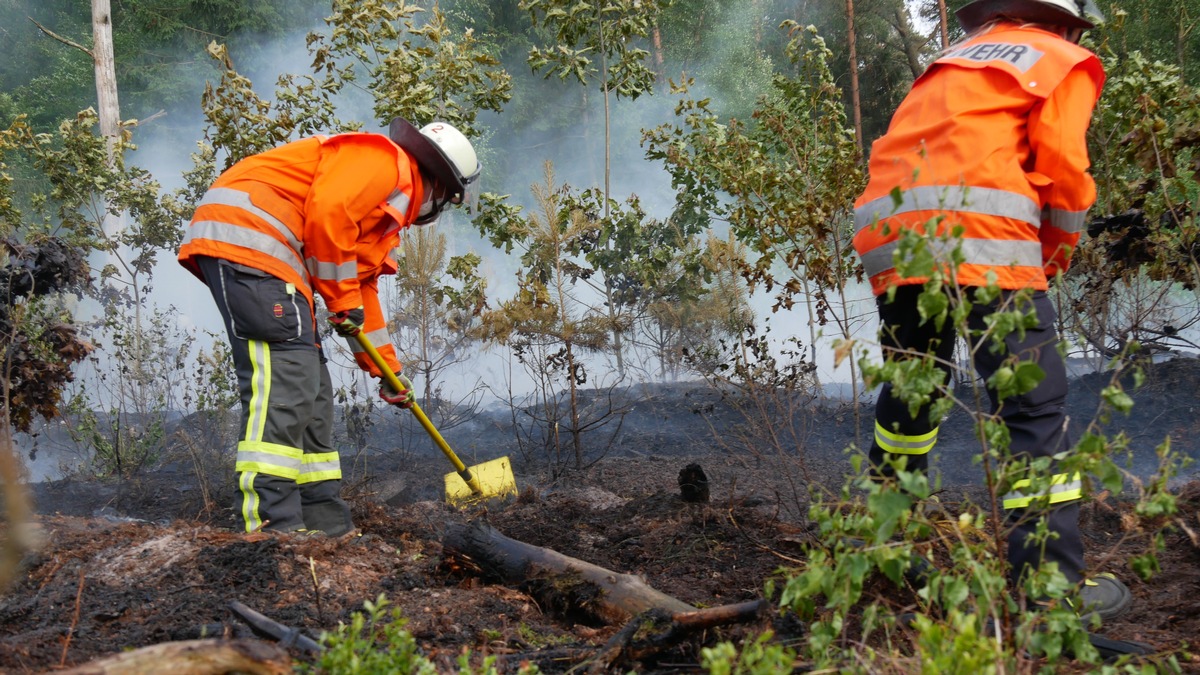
(323, 214)
(991, 138)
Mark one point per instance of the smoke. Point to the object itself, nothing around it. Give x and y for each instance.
(561, 122)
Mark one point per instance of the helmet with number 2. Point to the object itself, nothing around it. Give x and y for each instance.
(441, 150)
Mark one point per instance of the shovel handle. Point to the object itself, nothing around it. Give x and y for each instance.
(463, 471)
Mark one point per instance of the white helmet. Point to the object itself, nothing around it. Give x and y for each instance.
(1066, 13)
(442, 151)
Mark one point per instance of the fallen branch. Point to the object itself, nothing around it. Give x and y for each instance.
(287, 637)
(557, 581)
(655, 621)
(74, 620)
(681, 625)
(648, 634)
(194, 657)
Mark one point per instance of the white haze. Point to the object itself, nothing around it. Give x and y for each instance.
(631, 174)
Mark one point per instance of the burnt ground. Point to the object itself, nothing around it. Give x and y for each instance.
(152, 560)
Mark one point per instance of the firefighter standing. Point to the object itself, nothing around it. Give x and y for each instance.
(318, 216)
(991, 139)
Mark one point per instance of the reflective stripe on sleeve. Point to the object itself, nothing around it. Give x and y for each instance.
(378, 338)
(987, 252)
(319, 466)
(1063, 488)
(327, 271)
(399, 200)
(899, 444)
(1071, 222)
(984, 201)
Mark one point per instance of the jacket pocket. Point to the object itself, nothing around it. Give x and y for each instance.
(261, 307)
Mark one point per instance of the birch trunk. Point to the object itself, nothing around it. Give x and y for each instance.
(106, 73)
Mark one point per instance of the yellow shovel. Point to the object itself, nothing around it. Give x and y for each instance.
(482, 481)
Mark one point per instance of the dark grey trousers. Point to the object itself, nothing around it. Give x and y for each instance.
(1036, 420)
(289, 473)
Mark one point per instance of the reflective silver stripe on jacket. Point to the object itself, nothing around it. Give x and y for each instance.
(241, 200)
(245, 237)
(984, 201)
(987, 252)
(327, 271)
(1071, 222)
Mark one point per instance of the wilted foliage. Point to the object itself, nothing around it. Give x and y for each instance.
(40, 345)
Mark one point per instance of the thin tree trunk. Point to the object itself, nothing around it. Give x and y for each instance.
(944, 24)
(656, 36)
(106, 73)
(854, 92)
(909, 41)
(618, 343)
(756, 11)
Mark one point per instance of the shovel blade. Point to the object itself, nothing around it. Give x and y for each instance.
(495, 480)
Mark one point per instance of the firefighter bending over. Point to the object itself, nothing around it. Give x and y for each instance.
(318, 216)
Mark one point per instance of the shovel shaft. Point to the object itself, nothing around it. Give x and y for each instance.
(394, 381)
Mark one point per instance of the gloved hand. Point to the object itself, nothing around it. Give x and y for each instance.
(348, 323)
(403, 398)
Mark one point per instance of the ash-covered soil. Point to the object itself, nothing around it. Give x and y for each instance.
(156, 559)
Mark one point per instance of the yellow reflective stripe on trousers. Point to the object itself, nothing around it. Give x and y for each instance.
(317, 466)
(253, 454)
(260, 389)
(899, 444)
(1063, 488)
(269, 458)
(250, 502)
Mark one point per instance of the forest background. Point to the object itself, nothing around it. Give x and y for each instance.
(667, 192)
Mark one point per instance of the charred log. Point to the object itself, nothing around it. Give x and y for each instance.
(565, 585)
